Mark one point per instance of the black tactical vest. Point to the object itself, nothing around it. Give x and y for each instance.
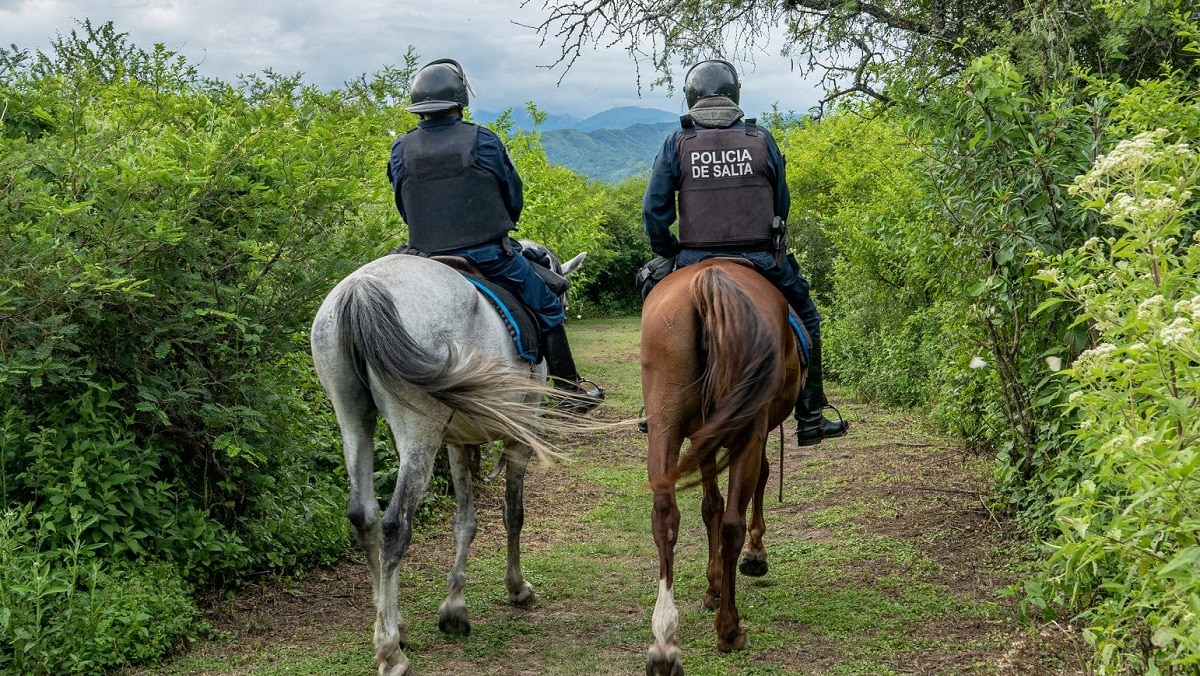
(726, 200)
(449, 201)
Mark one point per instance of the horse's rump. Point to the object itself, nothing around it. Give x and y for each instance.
(743, 338)
(448, 345)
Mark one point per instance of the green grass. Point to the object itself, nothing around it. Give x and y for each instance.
(843, 596)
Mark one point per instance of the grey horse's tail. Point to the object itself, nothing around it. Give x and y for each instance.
(475, 385)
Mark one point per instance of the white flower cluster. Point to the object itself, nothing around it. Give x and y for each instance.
(1176, 332)
(1132, 157)
(1096, 354)
(1129, 155)
(1189, 307)
(1124, 207)
(1151, 307)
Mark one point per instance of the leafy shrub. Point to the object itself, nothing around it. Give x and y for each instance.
(63, 612)
(1127, 553)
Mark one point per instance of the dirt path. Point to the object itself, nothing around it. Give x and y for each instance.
(885, 559)
(913, 562)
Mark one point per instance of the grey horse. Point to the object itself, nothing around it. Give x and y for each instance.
(409, 339)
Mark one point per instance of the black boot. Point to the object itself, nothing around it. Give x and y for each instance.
(811, 425)
(582, 395)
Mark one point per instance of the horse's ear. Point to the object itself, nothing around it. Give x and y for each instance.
(573, 264)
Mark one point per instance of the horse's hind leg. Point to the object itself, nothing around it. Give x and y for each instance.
(520, 592)
(712, 508)
(664, 658)
(754, 556)
(452, 615)
(357, 418)
(417, 438)
(743, 479)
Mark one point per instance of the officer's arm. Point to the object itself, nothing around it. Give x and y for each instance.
(658, 204)
(778, 165)
(395, 174)
(493, 156)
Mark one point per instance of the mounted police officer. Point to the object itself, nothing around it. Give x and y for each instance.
(459, 193)
(725, 178)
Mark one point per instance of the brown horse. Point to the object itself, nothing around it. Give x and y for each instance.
(720, 367)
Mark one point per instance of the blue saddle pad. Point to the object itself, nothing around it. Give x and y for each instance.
(521, 324)
(801, 335)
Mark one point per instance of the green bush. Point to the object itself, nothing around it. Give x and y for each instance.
(64, 612)
(1127, 553)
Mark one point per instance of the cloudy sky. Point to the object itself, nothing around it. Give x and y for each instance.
(337, 40)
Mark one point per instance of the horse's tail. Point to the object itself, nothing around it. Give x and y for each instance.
(738, 385)
(469, 382)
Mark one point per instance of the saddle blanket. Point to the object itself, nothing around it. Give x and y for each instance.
(521, 324)
(802, 336)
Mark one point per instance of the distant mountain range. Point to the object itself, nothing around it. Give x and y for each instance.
(613, 118)
(610, 146)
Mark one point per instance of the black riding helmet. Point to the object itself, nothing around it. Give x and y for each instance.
(711, 78)
(439, 85)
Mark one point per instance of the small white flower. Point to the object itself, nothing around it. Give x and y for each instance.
(578, 316)
(977, 363)
(1055, 363)
(1149, 308)
(1141, 442)
(1176, 332)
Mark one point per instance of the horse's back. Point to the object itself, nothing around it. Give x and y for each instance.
(675, 346)
(433, 300)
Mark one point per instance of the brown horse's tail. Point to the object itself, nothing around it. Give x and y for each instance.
(743, 361)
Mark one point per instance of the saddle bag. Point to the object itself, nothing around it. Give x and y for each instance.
(557, 283)
(652, 273)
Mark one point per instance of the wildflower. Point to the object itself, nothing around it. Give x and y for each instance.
(977, 363)
(1141, 442)
(1055, 363)
(1176, 332)
(1149, 308)
(1189, 307)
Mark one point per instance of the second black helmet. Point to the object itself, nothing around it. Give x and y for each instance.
(439, 85)
(711, 78)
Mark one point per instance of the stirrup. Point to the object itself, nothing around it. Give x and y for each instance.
(817, 428)
(582, 399)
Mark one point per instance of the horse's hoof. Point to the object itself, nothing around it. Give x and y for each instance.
(664, 661)
(524, 597)
(712, 601)
(455, 625)
(753, 566)
(397, 665)
(738, 642)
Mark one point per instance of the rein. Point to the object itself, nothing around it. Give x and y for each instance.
(782, 437)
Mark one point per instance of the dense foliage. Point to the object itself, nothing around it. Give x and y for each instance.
(933, 232)
(166, 239)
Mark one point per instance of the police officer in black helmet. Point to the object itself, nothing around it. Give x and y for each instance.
(459, 193)
(725, 179)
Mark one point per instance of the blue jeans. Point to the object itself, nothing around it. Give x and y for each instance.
(515, 273)
(786, 278)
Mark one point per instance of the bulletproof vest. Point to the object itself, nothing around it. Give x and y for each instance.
(726, 200)
(449, 201)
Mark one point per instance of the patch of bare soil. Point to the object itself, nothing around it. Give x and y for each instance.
(921, 491)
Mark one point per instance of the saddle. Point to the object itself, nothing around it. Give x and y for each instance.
(658, 268)
(518, 319)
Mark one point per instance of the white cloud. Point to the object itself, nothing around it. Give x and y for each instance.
(331, 42)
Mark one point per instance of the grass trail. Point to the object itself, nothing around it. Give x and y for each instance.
(885, 558)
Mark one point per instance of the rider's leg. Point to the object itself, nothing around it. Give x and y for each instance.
(515, 273)
(811, 424)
